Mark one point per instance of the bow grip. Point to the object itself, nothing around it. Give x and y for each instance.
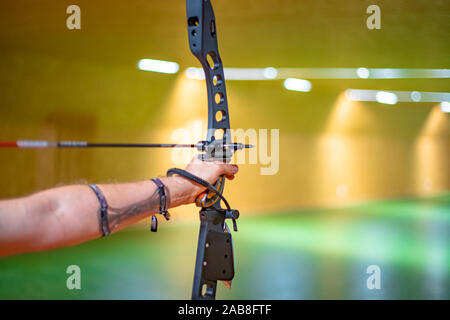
(208, 198)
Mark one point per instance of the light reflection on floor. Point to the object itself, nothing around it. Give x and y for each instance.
(305, 254)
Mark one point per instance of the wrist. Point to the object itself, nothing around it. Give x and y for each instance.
(181, 190)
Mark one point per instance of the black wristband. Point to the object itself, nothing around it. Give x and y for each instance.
(162, 204)
(104, 225)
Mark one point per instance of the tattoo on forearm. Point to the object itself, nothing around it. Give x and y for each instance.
(116, 216)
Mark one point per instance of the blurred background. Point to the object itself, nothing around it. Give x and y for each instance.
(363, 179)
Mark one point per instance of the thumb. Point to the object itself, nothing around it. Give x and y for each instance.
(228, 169)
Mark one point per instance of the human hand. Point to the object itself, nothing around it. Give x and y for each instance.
(209, 171)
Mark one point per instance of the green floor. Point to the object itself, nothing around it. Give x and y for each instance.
(305, 254)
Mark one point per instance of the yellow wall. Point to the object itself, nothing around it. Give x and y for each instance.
(59, 85)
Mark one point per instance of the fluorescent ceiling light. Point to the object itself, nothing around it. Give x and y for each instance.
(297, 85)
(236, 73)
(158, 66)
(445, 106)
(386, 97)
(416, 96)
(362, 73)
(194, 73)
(271, 73)
(402, 96)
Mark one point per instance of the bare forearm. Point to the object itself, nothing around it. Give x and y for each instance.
(68, 215)
(132, 202)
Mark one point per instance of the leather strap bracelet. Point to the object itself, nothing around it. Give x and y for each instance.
(162, 204)
(103, 218)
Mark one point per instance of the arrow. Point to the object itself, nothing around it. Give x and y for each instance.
(83, 144)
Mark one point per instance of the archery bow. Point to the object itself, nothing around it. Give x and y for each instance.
(215, 256)
(215, 253)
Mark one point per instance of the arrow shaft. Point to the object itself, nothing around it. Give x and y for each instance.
(84, 144)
